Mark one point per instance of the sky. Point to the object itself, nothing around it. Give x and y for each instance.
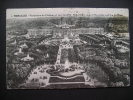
(47, 12)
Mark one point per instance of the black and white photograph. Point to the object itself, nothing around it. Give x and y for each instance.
(64, 48)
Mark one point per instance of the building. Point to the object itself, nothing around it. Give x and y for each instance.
(74, 33)
(37, 32)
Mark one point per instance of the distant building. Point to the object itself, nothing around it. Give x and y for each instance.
(36, 32)
(65, 26)
(124, 35)
(74, 33)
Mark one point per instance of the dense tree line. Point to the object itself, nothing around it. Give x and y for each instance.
(117, 24)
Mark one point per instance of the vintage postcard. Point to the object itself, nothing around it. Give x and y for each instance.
(61, 48)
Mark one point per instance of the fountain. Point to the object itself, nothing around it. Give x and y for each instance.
(19, 52)
(47, 55)
(27, 58)
(67, 64)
